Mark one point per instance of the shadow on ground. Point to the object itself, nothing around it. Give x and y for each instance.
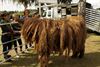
(26, 60)
(90, 60)
(30, 60)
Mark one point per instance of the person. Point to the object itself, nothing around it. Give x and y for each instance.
(25, 17)
(6, 36)
(16, 28)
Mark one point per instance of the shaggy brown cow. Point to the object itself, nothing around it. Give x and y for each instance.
(77, 24)
(56, 35)
(28, 28)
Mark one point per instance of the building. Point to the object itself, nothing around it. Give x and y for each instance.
(51, 8)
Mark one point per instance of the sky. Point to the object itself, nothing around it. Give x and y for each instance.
(10, 6)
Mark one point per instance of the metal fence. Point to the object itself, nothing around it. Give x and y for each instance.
(93, 19)
(9, 50)
(8, 42)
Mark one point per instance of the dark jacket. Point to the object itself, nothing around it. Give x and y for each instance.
(16, 28)
(7, 31)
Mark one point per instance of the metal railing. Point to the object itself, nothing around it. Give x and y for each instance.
(9, 50)
(9, 42)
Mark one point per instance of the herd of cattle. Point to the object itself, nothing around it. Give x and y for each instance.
(64, 36)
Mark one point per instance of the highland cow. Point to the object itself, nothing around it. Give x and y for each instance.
(56, 35)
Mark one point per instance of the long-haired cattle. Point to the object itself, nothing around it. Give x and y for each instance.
(56, 35)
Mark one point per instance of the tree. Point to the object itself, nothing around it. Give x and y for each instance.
(24, 2)
(98, 9)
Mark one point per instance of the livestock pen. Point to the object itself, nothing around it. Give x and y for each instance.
(92, 46)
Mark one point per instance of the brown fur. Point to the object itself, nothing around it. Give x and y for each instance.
(79, 34)
(56, 35)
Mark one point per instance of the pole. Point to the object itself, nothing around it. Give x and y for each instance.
(39, 8)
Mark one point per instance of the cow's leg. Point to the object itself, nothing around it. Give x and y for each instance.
(75, 52)
(76, 44)
(44, 57)
(44, 61)
(82, 45)
(81, 52)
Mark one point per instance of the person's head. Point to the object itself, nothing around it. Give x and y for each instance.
(5, 16)
(15, 17)
(26, 12)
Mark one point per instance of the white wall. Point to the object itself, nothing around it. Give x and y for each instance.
(55, 12)
(47, 1)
